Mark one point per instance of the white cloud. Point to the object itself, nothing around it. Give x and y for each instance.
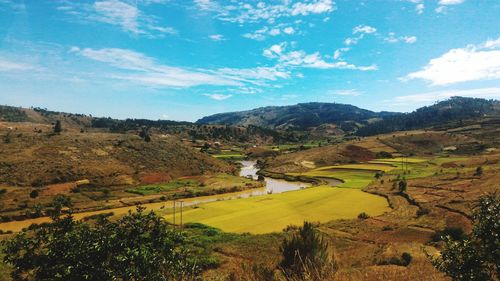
(261, 34)
(244, 12)
(441, 9)
(361, 30)
(217, 37)
(420, 8)
(474, 62)
(489, 93)
(392, 38)
(349, 92)
(289, 30)
(302, 59)
(409, 39)
(139, 68)
(218, 97)
(450, 2)
(274, 32)
(364, 29)
(118, 13)
(12, 66)
(206, 5)
(316, 7)
(492, 43)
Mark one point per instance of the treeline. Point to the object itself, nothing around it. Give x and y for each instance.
(12, 114)
(452, 110)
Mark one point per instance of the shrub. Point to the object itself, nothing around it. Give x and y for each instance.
(402, 186)
(387, 228)
(479, 171)
(139, 246)
(306, 255)
(455, 233)
(383, 154)
(363, 216)
(478, 256)
(57, 127)
(422, 212)
(34, 194)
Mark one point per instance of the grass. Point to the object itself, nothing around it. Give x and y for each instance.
(229, 156)
(157, 188)
(351, 178)
(197, 184)
(275, 212)
(385, 167)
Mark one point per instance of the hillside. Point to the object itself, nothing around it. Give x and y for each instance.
(451, 110)
(300, 116)
(34, 159)
(353, 120)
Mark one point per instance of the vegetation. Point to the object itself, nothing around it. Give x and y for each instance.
(275, 212)
(57, 127)
(476, 257)
(454, 109)
(306, 255)
(139, 246)
(301, 116)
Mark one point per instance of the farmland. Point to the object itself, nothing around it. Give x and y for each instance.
(275, 212)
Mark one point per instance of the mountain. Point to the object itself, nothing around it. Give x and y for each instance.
(451, 110)
(354, 120)
(301, 116)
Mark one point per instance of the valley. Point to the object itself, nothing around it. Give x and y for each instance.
(372, 198)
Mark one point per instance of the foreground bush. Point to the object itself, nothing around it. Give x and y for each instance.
(306, 256)
(140, 246)
(476, 257)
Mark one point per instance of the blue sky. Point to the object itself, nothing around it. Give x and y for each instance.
(181, 60)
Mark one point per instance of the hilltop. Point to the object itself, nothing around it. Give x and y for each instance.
(350, 119)
(299, 117)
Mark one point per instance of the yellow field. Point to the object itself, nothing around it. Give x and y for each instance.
(274, 212)
(365, 166)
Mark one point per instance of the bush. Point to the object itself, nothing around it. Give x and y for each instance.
(479, 171)
(363, 216)
(476, 257)
(34, 194)
(455, 233)
(404, 260)
(306, 255)
(138, 246)
(383, 154)
(422, 212)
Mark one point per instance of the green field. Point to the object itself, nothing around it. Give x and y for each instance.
(273, 213)
(198, 184)
(385, 167)
(229, 156)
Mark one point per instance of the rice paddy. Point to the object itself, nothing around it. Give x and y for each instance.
(275, 212)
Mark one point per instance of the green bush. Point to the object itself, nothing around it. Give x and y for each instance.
(477, 257)
(306, 255)
(139, 246)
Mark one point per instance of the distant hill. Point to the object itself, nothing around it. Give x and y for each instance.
(451, 110)
(301, 116)
(182, 129)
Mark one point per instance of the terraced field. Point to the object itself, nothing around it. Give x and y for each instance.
(273, 213)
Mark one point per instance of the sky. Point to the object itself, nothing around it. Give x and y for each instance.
(185, 59)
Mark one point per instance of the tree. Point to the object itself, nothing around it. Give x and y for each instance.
(57, 127)
(145, 135)
(479, 171)
(306, 256)
(478, 256)
(139, 246)
(402, 186)
(34, 194)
